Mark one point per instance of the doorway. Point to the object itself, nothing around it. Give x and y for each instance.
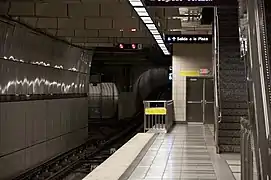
(200, 100)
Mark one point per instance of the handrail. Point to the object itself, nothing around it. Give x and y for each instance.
(216, 71)
(169, 102)
(249, 168)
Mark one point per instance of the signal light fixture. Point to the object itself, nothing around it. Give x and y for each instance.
(121, 46)
(144, 16)
(133, 46)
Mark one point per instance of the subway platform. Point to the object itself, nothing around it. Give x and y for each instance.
(187, 152)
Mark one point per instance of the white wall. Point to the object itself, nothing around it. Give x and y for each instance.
(187, 57)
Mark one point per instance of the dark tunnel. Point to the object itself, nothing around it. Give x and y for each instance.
(153, 84)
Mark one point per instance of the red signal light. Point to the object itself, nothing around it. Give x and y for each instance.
(133, 46)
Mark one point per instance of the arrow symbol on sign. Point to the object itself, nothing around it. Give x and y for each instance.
(174, 38)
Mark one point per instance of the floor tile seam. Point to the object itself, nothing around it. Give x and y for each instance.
(183, 152)
(208, 148)
(168, 157)
(154, 158)
(143, 152)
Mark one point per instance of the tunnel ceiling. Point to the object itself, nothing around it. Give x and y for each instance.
(101, 23)
(91, 23)
(183, 20)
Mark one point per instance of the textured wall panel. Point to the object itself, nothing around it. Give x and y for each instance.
(22, 8)
(71, 23)
(99, 23)
(52, 9)
(38, 67)
(39, 130)
(83, 10)
(28, 66)
(23, 44)
(122, 10)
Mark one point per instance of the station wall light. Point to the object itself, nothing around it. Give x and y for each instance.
(144, 16)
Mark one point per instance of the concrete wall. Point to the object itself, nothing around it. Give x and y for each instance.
(126, 105)
(43, 98)
(34, 131)
(187, 57)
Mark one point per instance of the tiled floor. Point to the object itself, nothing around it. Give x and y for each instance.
(234, 163)
(185, 153)
(233, 159)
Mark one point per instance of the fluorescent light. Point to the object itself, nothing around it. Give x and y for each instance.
(157, 37)
(154, 31)
(141, 11)
(151, 26)
(162, 46)
(144, 15)
(136, 3)
(159, 41)
(147, 20)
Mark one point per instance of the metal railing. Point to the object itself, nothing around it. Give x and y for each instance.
(158, 116)
(249, 169)
(217, 108)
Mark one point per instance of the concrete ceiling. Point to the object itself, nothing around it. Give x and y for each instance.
(185, 20)
(104, 23)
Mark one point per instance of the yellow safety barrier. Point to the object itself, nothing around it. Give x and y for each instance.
(190, 73)
(155, 111)
(158, 119)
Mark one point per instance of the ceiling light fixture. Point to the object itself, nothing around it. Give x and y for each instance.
(157, 37)
(141, 11)
(151, 26)
(144, 16)
(154, 32)
(147, 20)
(136, 3)
(159, 41)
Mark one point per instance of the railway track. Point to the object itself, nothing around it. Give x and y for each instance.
(77, 163)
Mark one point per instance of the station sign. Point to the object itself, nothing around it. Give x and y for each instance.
(205, 72)
(189, 39)
(187, 3)
(189, 73)
(196, 73)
